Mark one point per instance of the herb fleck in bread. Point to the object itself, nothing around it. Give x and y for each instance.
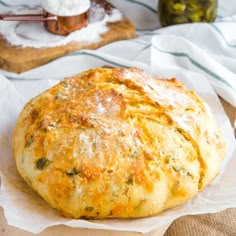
(116, 143)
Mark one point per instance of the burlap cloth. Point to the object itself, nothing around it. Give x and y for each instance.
(219, 224)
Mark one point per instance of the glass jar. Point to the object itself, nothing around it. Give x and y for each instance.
(186, 11)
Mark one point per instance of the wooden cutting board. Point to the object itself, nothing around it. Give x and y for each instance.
(18, 59)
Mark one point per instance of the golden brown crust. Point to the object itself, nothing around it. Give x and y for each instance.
(116, 143)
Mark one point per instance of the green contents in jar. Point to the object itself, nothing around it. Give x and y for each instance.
(186, 11)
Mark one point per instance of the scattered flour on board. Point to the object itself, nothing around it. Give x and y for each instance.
(33, 34)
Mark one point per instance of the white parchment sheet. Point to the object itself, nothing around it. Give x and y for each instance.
(200, 55)
(24, 209)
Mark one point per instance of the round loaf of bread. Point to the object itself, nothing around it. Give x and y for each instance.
(117, 143)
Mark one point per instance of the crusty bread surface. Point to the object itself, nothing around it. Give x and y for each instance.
(117, 143)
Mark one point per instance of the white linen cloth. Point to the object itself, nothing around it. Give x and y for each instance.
(206, 48)
(203, 56)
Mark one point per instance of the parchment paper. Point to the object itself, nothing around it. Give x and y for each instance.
(211, 54)
(24, 209)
